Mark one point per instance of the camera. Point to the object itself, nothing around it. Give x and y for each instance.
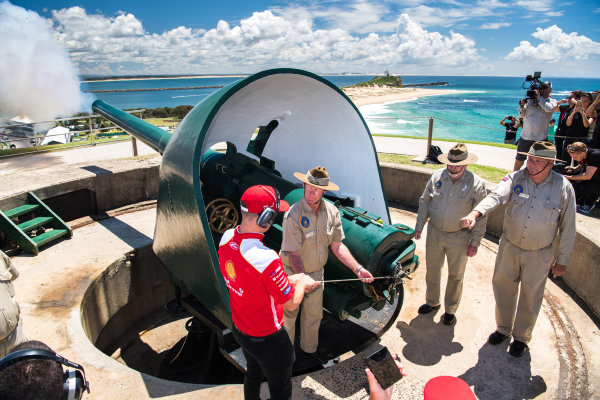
(534, 85)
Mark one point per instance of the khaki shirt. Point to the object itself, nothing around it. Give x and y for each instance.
(9, 309)
(535, 213)
(444, 202)
(310, 234)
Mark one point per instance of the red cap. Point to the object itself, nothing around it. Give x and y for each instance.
(259, 197)
(447, 388)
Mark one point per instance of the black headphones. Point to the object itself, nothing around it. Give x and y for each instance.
(74, 383)
(268, 215)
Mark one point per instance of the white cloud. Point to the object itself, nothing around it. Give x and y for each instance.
(263, 40)
(557, 46)
(535, 5)
(494, 25)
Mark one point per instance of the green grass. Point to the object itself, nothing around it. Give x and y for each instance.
(506, 146)
(490, 174)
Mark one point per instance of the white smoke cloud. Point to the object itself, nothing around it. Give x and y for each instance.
(37, 79)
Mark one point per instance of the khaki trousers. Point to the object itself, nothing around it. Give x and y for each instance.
(311, 313)
(453, 247)
(15, 338)
(528, 269)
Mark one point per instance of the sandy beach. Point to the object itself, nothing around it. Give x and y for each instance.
(362, 96)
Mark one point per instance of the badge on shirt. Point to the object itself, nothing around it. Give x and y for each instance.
(438, 184)
(230, 270)
(518, 189)
(287, 289)
(305, 222)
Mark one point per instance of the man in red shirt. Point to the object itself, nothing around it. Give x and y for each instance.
(259, 290)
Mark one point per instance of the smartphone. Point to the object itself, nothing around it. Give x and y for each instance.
(383, 367)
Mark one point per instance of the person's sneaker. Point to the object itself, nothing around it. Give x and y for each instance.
(584, 209)
(426, 308)
(497, 338)
(449, 319)
(517, 348)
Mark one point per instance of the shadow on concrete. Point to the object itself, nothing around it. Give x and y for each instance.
(426, 340)
(125, 232)
(498, 375)
(96, 170)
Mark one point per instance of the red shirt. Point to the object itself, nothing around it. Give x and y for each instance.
(258, 285)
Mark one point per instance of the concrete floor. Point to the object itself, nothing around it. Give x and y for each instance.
(563, 361)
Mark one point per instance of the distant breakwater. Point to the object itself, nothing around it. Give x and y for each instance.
(154, 89)
(428, 84)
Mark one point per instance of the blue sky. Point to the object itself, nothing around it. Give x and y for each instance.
(451, 37)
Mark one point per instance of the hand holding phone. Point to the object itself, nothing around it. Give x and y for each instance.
(383, 367)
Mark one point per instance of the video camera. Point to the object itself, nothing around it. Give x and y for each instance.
(533, 86)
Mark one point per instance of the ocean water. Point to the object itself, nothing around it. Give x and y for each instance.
(472, 114)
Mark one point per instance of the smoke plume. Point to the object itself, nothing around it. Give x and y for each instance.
(37, 79)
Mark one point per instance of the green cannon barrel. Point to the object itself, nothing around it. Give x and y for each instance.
(142, 130)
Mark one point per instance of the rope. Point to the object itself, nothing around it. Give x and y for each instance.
(353, 279)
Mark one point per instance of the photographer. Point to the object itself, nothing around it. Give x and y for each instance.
(561, 129)
(511, 125)
(578, 125)
(585, 178)
(536, 113)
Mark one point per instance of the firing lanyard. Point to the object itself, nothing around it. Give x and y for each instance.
(353, 279)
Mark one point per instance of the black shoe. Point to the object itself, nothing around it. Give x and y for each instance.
(517, 348)
(449, 319)
(426, 308)
(496, 338)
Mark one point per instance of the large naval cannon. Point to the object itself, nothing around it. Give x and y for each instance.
(260, 130)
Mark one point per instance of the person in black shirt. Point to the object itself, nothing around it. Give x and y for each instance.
(561, 126)
(593, 111)
(578, 124)
(511, 125)
(585, 178)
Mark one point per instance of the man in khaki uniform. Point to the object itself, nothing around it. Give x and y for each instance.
(310, 227)
(450, 193)
(11, 330)
(540, 204)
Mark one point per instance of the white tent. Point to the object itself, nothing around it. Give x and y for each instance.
(58, 134)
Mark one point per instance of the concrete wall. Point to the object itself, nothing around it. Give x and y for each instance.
(583, 272)
(111, 189)
(405, 184)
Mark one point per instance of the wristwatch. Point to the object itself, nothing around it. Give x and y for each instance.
(357, 270)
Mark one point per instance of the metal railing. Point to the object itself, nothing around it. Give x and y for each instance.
(78, 137)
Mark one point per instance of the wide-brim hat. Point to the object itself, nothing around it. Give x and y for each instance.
(317, 177)
(545, 150)
(458, 155)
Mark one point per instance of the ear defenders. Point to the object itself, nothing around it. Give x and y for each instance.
(74, 383)
(268, 215)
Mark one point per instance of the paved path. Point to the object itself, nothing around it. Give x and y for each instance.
(491, 156)
(109, 151)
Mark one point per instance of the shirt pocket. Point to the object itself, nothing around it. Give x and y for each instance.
(517, 204)
(436, 200)
(551, 212)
